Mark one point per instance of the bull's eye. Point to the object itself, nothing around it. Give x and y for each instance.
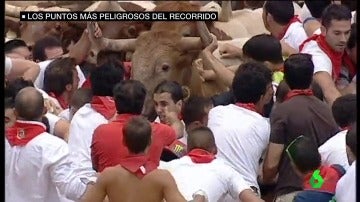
(165, 67)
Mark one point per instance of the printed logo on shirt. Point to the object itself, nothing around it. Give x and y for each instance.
(178, 148)
(21, 133)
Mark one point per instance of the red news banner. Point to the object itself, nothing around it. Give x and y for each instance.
(118, 16)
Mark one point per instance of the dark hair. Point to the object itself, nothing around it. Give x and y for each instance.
(351, 139)
(9, 46)
(317, 7)
(344, 110)
(172, 87)
(263, 47)
(105, 77)
(201, 138)
(352, 39)
(335, 12)
(14, 86)
(281, 91)
(298, 71)
(58, 74)
(80, 97)
(137, 134)
(282, 11)
(304, 154)
(9, 103)
(105, 56)
(29, 106)
(129, 97)
(251, 81)
(194, 109)
(39, 47)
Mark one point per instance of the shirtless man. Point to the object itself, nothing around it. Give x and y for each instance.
(136, 178)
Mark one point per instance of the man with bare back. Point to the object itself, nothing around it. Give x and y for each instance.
(136, 178)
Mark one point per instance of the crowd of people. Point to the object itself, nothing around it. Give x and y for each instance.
(285, 131)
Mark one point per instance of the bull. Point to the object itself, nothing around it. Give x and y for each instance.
(70, 32)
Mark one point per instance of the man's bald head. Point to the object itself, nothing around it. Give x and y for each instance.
(29, 104)
(201, 138)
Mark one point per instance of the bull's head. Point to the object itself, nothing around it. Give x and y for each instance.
(160, 55)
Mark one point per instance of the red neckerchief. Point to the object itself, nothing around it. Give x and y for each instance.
(335, 57)
(87, 84)
(201, 156)
(24, 131)
(104, 105)
(330, 176)
(127, 68)
(63, 103)
(296, 92)
(349, 65)
(139, 165)
(249, 106)
(292, 20)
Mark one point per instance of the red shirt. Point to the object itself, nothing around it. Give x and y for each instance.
(107, 147)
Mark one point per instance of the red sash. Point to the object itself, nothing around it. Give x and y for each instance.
(292, 20)
(201, 156)
(249, 106)
(63, 103)
(104, 105)
(296, 92)
(138, 165)
(335, 57)
(24, 131)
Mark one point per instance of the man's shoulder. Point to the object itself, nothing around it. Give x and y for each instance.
(88, 113)
(334, 141)
(48, 142)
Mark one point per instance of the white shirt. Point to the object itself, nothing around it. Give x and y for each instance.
(295, 35)
(65, 114)
(53, 119)
(321, 61)
(346, 186)
(241, 137)
(304, 13)
(36, 170)
(215, 178)
(333, 151)
(82, 127)
(39, 82)
(8, 65)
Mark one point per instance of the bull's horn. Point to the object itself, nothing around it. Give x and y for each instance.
(226, 11)
(13, 11)
(110, 44)
(190, 43)
(204, 32)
